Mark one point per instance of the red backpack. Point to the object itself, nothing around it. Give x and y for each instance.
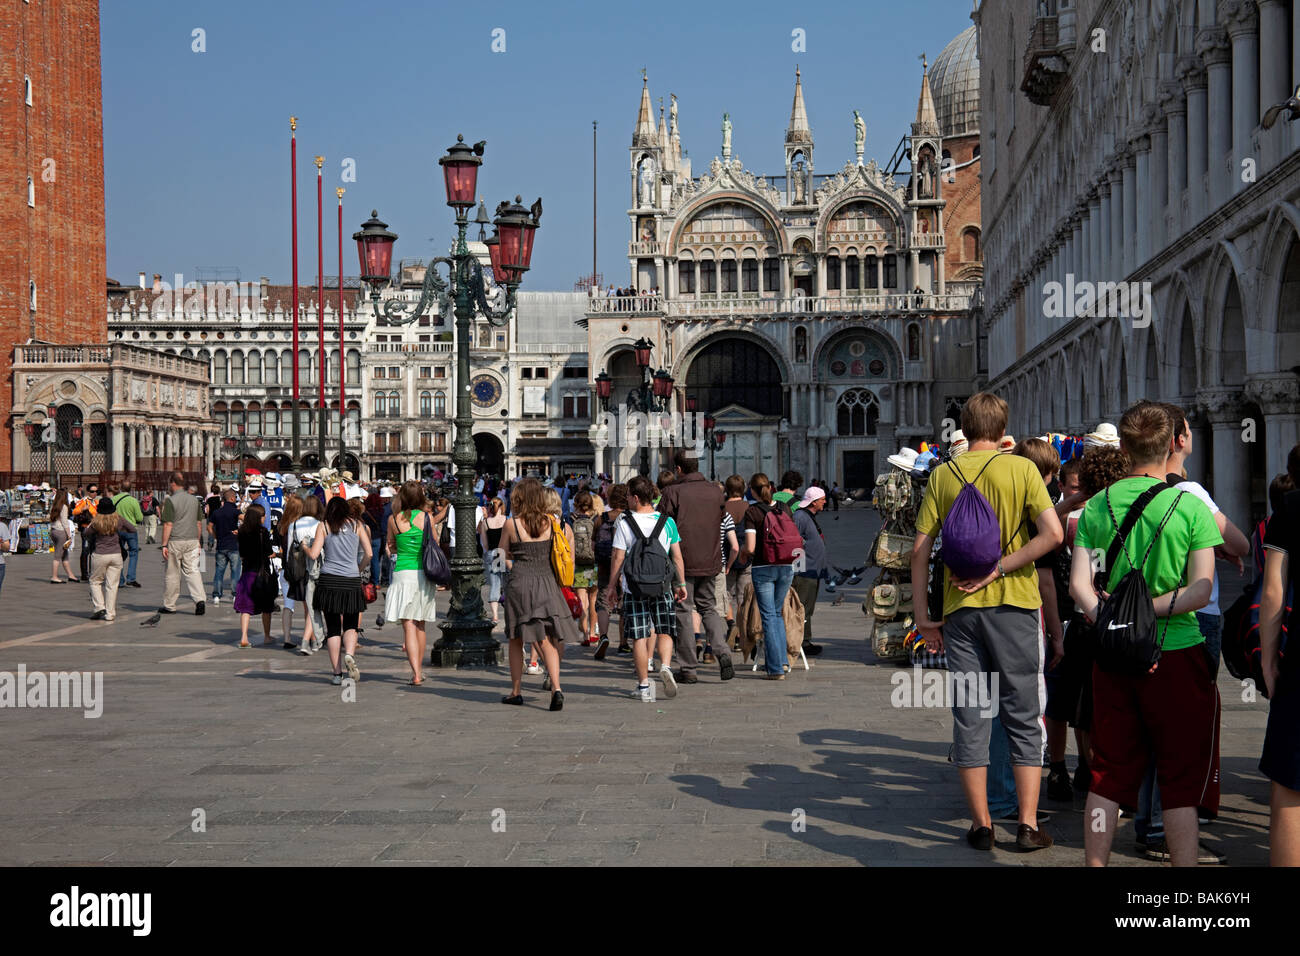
(781, 538)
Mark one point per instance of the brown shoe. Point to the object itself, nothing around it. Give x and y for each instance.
(1028, 839)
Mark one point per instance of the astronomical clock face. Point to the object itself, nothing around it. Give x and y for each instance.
(485, 391)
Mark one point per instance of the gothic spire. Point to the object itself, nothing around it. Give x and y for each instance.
(645, 127)
(927, 121)
(662, 134)
(798, 131)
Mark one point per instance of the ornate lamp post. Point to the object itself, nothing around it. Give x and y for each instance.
(713, 441)
(652, 395)
(237, 445)
(467, 639)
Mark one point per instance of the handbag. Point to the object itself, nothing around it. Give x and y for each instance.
(370, 591)
(574, 602)
(432, 559)
(561, 554)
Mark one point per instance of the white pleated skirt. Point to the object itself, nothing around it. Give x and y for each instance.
(411, 597)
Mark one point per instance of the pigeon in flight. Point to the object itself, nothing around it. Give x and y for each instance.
(1291, 107)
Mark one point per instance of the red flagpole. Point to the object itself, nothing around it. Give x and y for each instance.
(293, 171)
(342, 354)
(322, 363)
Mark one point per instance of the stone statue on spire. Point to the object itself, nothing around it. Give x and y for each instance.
(726, 137)
(859, 135)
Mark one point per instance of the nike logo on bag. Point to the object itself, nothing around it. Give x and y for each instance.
(1116, 627)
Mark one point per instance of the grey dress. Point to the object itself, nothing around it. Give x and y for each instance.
(534, 605)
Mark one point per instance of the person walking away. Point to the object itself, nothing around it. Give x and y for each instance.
(182, 534)
(339, 542)
(61, 536)
(648, 566)
(255, 558)
(738, 570)
(1280, 761)
(535, 607)
(585, 576)
(106, 564)
(494, 559)
(411, 598)
(808, 573)
(990, 626)
(788, 493)
(770, 541)
(376, 526)
(149, 506)
(301, 591)
(603, 545)
(223, 525)
(83, 512)
(282, 539)
(697, 507)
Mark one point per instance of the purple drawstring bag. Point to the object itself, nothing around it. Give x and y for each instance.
(972, 538)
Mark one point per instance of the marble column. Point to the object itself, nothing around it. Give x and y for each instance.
(1118, 217)
(939, 269)
(118, 450)
(1230, 483)
(1101, 262)
(1278, 397)
(1243, 31)
(1191, 74)
(133, 447)
(1212, 46)
(1142, 227)
(1274, 48)
(1093, 225)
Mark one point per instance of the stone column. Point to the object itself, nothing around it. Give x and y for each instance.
(1230, 483)
(133, 447)
(1243, 30)
(1278, 397)
(1142, 228)
(1093, 227)
(1212, 46)
(117, 453)
(1169, 151)
(1274, 47)
(939, 268)
(1191, 74)
(1101, 262)
(1118, 216)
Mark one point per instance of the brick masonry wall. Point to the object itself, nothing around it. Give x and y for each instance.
(59, 242)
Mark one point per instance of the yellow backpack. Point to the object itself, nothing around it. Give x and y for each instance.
(561, 553)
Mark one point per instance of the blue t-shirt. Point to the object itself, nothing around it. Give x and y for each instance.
(225, 522)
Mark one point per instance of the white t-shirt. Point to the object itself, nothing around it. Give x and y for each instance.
(668, 535)
(451, 523)
(1193, 488)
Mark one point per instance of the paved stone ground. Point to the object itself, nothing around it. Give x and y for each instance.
(285, 772)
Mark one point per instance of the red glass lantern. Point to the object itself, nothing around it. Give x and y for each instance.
(691, 404)
(709, 422)
(76, 432)
(375, 249)
(516, 227)
(460, 171)
(258, 443)
(719, 438)
(604, 386)
(494, 256)
(642, 351)
(30, 430)
(663, 384)
(53, 411)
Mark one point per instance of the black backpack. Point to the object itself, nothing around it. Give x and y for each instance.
(603, 539)
(295, 561)
(1127, 639)
(646, 567)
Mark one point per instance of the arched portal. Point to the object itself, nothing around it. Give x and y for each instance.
(739, 381)
(491, 454)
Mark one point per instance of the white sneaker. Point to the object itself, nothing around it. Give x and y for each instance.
(533, 669)
(215, 600)
(316, 644)
(644, 694)
(670, 682)
(350, 665)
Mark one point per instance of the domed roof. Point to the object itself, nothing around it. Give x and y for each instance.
(955, 85)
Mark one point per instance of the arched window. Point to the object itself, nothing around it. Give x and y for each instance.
(851, 282)
(254, 419)
(856, 413)
(729, 275)
(426, 404)
(970, 245)
(31, 294)
(354, 367)
(222, 416)
(271, 421)
(220, 370)
(254, 367)
(271, 364)
(395, 404)
(801, 344)
(749, 275)
(873, 272)
(31, 192)
(304, 367)
(27, 90)
(334, 367)
(236, 368)
(286, 367)
(440, 403)
(833, 273)
(914, 343)
(381, 404)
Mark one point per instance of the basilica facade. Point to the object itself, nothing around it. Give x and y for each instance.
(823, 319)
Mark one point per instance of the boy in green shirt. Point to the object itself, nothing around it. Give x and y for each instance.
(124, 503)
(1170, 714)
(990, 628)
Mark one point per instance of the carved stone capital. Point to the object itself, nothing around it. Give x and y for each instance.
(1241, 17)
(1221, 406)
(1171, 99)
(1191, 73)
(1275, 394)
(1212, 46)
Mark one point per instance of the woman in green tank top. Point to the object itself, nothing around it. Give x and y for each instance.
(411, 596)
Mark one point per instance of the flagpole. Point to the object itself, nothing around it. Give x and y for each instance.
(343, 408)
(293, 172)
(323, 362)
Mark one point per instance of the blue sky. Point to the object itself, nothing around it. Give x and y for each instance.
(197, 143)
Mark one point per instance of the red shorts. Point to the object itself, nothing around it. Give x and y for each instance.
(1171, 717)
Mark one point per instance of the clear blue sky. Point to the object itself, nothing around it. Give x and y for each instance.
(197, 144)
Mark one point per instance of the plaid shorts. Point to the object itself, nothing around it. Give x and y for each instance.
(646, 617)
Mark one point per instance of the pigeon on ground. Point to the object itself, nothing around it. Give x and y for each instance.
(839, 599)
(151, 621)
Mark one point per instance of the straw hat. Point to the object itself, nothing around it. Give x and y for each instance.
(904, 459)
(1105, 434)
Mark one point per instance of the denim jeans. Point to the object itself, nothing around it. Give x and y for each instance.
(771, 582)
(2, 575)
(132, 542)
(1001, 782)
(375, 558)
(225, 559)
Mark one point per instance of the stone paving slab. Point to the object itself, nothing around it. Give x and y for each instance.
(286, 772)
